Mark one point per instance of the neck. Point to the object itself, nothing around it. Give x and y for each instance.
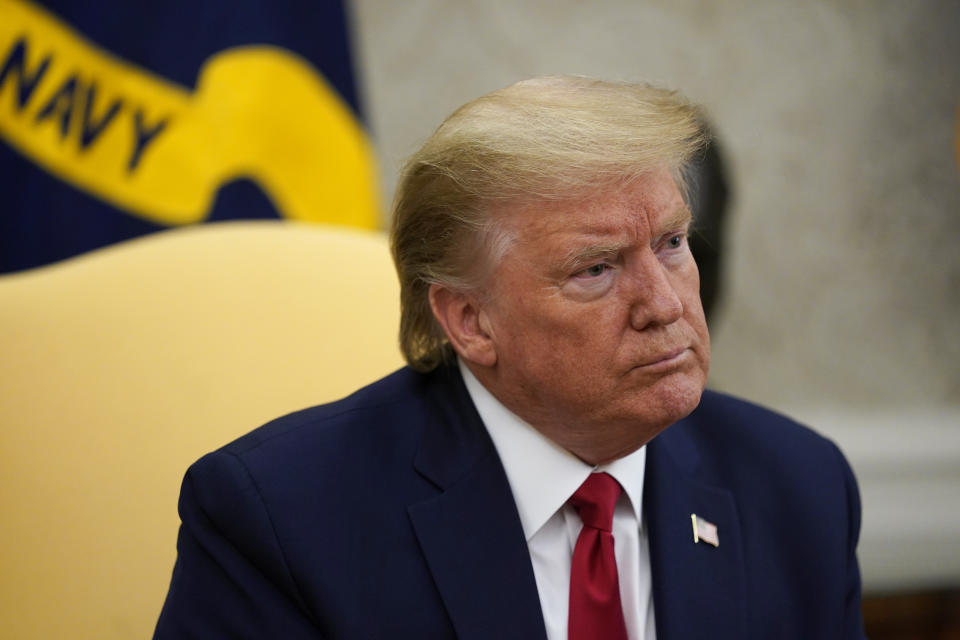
(594, 443)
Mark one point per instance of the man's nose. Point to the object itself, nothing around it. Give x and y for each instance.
(654, 300)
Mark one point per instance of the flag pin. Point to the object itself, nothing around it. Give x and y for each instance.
(704, 530)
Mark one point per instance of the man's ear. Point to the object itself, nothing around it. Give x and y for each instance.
(463, 321)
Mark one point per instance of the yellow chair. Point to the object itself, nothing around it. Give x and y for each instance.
(119, 368)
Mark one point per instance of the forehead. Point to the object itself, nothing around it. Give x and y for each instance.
(643, 208)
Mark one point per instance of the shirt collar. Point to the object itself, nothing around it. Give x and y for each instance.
(541, 473)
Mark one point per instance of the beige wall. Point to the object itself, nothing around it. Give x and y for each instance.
(838, 119)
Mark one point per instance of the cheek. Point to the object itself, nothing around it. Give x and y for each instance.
(693, 312)
(688, 288)
(553, 342)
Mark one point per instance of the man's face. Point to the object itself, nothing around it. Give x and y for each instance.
(595, 318)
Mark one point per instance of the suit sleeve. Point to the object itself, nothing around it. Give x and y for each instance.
(230, 579)
(853, 616)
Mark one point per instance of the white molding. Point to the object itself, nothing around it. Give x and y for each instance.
(907, 463)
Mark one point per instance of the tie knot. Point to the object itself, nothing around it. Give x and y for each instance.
(595, 500)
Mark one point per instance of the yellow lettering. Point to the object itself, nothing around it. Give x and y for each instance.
(15, 63)
(160, 150)
(60, 105)
(91, 126)
(143, 134)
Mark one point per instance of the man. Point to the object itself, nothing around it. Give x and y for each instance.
(549, 465)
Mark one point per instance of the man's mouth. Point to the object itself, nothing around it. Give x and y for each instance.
(665, 360)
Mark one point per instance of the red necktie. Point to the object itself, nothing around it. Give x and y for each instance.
(595, 611)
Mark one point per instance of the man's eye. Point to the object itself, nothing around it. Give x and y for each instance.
(595, 270)
(676, 241)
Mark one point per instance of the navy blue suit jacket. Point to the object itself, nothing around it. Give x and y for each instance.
(388, 515)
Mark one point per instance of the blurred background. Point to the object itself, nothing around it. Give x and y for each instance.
(840, 273)
(837, 123)
(837, 143)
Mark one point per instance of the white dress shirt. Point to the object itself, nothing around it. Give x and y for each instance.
(543, 476)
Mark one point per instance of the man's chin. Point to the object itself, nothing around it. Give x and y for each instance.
(674, 398)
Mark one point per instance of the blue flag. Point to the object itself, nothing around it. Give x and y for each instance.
(121, 118)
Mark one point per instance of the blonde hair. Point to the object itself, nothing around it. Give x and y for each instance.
(548, 138)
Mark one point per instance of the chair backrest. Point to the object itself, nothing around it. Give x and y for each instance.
(119, 368)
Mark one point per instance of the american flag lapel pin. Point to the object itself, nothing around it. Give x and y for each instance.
(704, 531)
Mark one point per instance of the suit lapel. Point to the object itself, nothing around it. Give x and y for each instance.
(473, 542)
(698, 590)
(470, 533)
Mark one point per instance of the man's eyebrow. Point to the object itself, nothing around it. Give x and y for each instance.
(680, 218)
(579, 256)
